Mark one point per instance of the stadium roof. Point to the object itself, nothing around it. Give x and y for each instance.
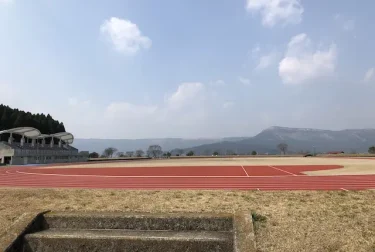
(25, 131)
(43, 136)
(64, 136)
(30, 132)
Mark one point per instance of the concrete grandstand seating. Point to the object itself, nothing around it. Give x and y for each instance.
(28, 146)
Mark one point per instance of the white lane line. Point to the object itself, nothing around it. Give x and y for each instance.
(247, 175)
(344, 189)
(282, 170)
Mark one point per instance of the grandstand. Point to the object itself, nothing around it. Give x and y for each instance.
(36, 148)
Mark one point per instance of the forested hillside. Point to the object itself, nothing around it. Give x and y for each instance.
(13, 118)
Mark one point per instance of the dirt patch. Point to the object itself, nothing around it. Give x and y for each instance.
(287, 221)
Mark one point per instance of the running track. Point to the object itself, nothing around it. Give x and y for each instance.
(185, 177)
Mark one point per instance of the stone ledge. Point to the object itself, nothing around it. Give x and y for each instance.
(12, 238)
(241, 225)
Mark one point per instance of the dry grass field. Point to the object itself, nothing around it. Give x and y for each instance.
(294, 221)
(285, 220)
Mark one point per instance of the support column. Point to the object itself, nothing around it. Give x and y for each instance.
(43, 142)
(22, 140)
(60, 142)
(33, 142)
(51, 143)
(10, 140)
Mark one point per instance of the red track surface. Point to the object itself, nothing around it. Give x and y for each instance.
(185, 177)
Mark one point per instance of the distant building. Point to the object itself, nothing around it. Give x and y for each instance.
(37, 148)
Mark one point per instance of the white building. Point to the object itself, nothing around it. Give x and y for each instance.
(32, 148)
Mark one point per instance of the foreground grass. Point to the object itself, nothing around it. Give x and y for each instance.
(285, 221)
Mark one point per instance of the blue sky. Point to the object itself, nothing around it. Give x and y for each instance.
(140, 69)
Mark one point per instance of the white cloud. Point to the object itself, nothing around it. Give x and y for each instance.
(346, 24)
(124, 35)
(277, 11)
(130, 110)
(72, 101)
(75, 102)
(301, 63)
(228, 104)
(5, 1)
(255, 50)
(185, 93)
(218, 83)
(349, 25)
(183, 109)
(244, 81)
(369, 75)
(266, 60)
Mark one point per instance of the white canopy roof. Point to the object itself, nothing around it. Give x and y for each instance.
(64, 136)
(43, 136)
(30, 132)
(25, 131)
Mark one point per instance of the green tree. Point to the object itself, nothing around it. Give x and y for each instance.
(129, 153)
(109, 152)
(216, 153)
(4, 119)
(12, 118)
(154, 151)
(120, 154)
(178, 152)
(190, 154)
(20, 120)
(139, 153)
(283, 147)
(371, 150)
(93, 155)
(254, 153)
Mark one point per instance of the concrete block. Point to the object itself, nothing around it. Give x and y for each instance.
(140, 221)
(128, 240)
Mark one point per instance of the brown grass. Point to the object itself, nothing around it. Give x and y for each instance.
(293, 221)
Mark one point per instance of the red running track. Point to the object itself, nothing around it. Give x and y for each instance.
(185, 177)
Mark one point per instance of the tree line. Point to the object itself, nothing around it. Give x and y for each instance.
(13, 118)
(155, 151)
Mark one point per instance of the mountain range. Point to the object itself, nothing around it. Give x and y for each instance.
(299, 140)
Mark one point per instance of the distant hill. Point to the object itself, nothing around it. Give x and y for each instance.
(298, 140)
(98, 145)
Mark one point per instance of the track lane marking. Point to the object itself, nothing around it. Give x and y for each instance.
(290, 173)
(247, 175)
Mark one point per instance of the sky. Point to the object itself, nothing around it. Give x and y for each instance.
(189, 68)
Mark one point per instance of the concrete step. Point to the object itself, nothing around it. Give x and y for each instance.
(139, 221)
(61, 240)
